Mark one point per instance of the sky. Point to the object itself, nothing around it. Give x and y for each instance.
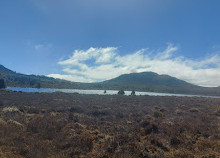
(96, 40)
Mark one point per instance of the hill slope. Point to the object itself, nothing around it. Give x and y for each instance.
(146, 81)
(149, 78)
(14, 79)
(152, 82)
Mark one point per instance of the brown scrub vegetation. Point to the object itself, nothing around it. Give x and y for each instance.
(60, 125)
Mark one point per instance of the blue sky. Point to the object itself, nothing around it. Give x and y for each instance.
(67, 39)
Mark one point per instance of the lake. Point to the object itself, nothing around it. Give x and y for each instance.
(99, 92)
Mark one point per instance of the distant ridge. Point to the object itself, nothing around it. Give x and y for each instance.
(152, 82)
(145, 81)
(149, 78)
(14, 79)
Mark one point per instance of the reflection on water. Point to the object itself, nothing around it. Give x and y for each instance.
(99, 92)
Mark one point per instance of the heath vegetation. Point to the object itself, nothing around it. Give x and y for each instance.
(60, 125)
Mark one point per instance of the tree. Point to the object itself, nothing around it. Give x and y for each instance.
(38, 85)
(32, 82)
(121, 92)
(133, 92)
(2, 83)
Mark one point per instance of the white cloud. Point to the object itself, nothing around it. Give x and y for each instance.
(98, 64)
(100, 55)
(71, 78)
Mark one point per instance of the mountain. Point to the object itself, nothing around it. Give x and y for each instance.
(145, 81)
(13, 79)
(151, 82)
(149, 78)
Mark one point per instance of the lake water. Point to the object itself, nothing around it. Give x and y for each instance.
(99, 92)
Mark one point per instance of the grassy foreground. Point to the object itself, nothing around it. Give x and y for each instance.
(60, 125)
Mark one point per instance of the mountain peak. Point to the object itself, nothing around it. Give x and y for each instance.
(149, 78)
(4, 70)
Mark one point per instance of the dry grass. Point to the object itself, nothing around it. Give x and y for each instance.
(71, 125)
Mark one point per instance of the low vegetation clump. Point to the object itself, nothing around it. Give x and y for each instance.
(2, 83)
(132, 93)
(158, 114)
(121, 92)
(10, 109)
(194, 110)
(59, 125)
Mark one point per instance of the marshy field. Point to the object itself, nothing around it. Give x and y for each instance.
(61, 125)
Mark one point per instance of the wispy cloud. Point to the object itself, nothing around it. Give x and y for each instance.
(71, 78)
(42, 47)
(98, 64)
(32, 46)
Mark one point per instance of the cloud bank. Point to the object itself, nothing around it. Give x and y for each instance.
(98, 64)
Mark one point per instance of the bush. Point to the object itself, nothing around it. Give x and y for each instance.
(133, 92)
(76, 110)
(158, 114)
(194, 110)
(174, 141)
(121, 92)
(2, 83)
(11, 110)
(151, 129)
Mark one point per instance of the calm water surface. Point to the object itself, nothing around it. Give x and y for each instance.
(99, 92)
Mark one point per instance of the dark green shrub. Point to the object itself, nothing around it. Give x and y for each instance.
(174, 141)
(99, 113)
(38, 85)
(133, 93)
(121, 92)
(151, 129)
(76, 110)
(2, 83)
